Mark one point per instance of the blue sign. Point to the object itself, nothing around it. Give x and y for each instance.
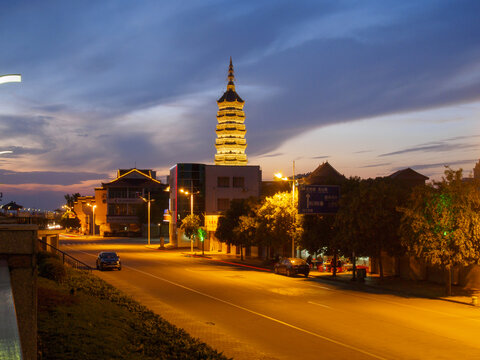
(318, 199)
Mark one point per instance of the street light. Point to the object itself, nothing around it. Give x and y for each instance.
(186, 192)
(10, 78)
(279, 176)
(148, 201)
(93, 218)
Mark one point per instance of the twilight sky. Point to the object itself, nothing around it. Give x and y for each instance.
(370, 86)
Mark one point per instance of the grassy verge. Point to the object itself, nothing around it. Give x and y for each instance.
(83, 317)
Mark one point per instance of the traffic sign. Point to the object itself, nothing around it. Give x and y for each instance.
(318, 199)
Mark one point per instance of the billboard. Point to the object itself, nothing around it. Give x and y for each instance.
(318, 199)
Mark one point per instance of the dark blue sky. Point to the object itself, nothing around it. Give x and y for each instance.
(111, 84)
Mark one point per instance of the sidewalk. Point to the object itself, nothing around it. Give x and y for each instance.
(393, 285)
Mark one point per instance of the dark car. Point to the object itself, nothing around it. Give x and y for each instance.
(292, 266)
(108, 260)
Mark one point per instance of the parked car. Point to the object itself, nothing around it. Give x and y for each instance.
(108, 260)
(291, 267)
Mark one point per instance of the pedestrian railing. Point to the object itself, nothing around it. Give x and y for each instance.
(66, 258)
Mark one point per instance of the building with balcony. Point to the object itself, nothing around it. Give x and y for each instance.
(115, 209)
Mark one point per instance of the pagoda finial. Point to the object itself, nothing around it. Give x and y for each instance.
(231, 77)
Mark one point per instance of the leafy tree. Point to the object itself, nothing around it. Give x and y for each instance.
(70, 220)
(368, 219)
(244, 232)
(317, 233)
(277, 221)
(441, 223)
(190, 225)
(71, 199)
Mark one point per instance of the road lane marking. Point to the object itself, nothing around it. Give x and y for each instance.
(349, 293)
(263, 315)
(314, 303)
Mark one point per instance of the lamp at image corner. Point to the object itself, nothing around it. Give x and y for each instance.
(10, 78)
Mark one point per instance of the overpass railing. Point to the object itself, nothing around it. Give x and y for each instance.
(66, 258)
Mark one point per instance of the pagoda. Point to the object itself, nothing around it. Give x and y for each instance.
(230, 142)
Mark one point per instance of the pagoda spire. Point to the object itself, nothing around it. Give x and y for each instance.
(230, 142)
(231, 77)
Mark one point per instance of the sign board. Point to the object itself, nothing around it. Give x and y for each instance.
(318, 199)
(211, 222)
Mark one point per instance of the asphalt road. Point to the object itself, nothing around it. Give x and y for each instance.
(253, 314)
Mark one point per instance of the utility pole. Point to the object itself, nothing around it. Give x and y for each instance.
(293, 205)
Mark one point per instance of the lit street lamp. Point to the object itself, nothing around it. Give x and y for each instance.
(191, 210)
(148, 201)
(10, 78)
(279, 176)
(93, 218)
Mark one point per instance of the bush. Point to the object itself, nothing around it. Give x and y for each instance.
(52, 268)
(43, 255)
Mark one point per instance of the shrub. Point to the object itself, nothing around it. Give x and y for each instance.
(52, 268)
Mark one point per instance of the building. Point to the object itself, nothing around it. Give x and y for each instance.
(230, 142)
(117, 205)
(212, 188)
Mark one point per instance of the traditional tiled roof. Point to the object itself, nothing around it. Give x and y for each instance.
(408, 174)
(322, 173)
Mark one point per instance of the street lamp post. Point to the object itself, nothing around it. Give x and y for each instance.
(191, 208)
(148, 201)
(93, 218)
(281, 177)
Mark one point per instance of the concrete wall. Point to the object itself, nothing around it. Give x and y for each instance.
(18, 246)
(252, 181)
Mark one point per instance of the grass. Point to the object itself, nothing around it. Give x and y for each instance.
(83, 317)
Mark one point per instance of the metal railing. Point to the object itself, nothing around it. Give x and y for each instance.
(10, 347)
(66, 258)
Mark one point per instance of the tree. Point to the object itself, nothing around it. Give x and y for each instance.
(228, 229)
(368, 219)
(70, 220)
(71, 199)
(277, 222)
(244, 232)
(441, 223)
(190, 225)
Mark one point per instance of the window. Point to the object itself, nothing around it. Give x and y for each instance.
(238, 182)
(223, 204)
(223, 181)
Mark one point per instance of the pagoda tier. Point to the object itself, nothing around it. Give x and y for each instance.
(230, 142)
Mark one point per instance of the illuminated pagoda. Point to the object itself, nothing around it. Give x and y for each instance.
(230, 142)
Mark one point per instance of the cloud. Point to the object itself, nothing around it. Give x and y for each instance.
(436, 165)
(376, 165)
(47, 177)
(109, 85)
(321, 157)
(270, 155)
(436, 147)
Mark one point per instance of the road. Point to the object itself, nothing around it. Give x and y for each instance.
(254, 314)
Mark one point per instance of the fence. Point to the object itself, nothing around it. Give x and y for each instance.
(66, 258)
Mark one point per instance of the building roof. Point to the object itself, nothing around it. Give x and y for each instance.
(12, 205)
(147, 172)
(133, 175)
(323, 173)
(408, 174)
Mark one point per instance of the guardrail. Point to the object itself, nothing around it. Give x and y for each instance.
(10, 347)
(66, 258)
